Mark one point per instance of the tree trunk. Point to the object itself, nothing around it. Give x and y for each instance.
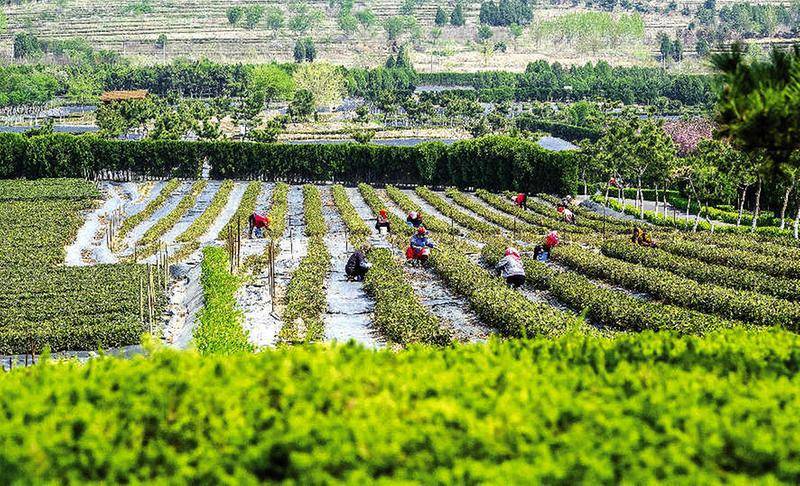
(797, 219)
(786, 204)
(741, 206)
(608, 188)
(656, 208)
(640, 195)
(689, 205)
(666, 215)
(708, 218)
(757, 212)
(696, 222)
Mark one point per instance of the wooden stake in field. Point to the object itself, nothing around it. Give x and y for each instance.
(141, 299)
(166, 267)
(272, 272)
(291, 238)
(150, 292)
(238, 243)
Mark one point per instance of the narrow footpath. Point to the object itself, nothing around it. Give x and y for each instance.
(261, 318)
(349, 306)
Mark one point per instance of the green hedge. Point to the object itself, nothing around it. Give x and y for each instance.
(572, 133)
(65, 155)
(494, 162)
(639, 409)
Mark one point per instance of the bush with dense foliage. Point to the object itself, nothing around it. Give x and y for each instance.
(494, 162)
(547, 82)
(643, 408)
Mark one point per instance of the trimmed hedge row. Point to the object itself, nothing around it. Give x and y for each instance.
(492, 162)
(717, 409)
(87, 156)
(734, 278)
(220, 328)
(607, 307)
(572, 133)
(305, 297)
(747, 306)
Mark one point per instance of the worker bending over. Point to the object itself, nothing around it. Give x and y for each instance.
(414, 219)
(258, 223)
(542, 252)
(511, 268)
(521, 200)
(383, 221)
(419, 248)
(357, 265)
(566, 213)
(640, 237)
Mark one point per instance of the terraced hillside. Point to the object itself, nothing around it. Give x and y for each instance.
(200, 28)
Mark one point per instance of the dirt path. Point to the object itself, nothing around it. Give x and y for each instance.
(226, 214)
(90, 244)
(349, 306)
(136, 233)
(452, 310)
(137, 205)
(254, 298)
(185, 292)
(200, 205)
(185, 300)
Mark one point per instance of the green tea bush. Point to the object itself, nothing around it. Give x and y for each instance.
(647, 408)
(220, 322)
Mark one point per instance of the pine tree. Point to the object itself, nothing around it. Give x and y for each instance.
(299, 51)
(457, 17)
(441, 17)
(403, 60)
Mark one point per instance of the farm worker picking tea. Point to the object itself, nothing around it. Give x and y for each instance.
(640, 237)
(382, 221)
(542, 252)
(551, 241)
(566, 213)
(511, 269)
(521, 200)
(258, 223)
(414, 219)
(357, 265)
(419, 248)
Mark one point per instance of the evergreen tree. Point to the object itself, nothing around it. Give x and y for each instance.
(403, 60)
(489, 14)
(665, 46)
(677, 50)
(299, 51)
(441, 17)
(457, 17)
(311, 49)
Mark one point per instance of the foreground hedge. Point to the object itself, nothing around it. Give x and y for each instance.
(649, 408)
(492, 162)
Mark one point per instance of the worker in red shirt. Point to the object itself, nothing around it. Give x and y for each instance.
(521, 200)
(259, 223)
